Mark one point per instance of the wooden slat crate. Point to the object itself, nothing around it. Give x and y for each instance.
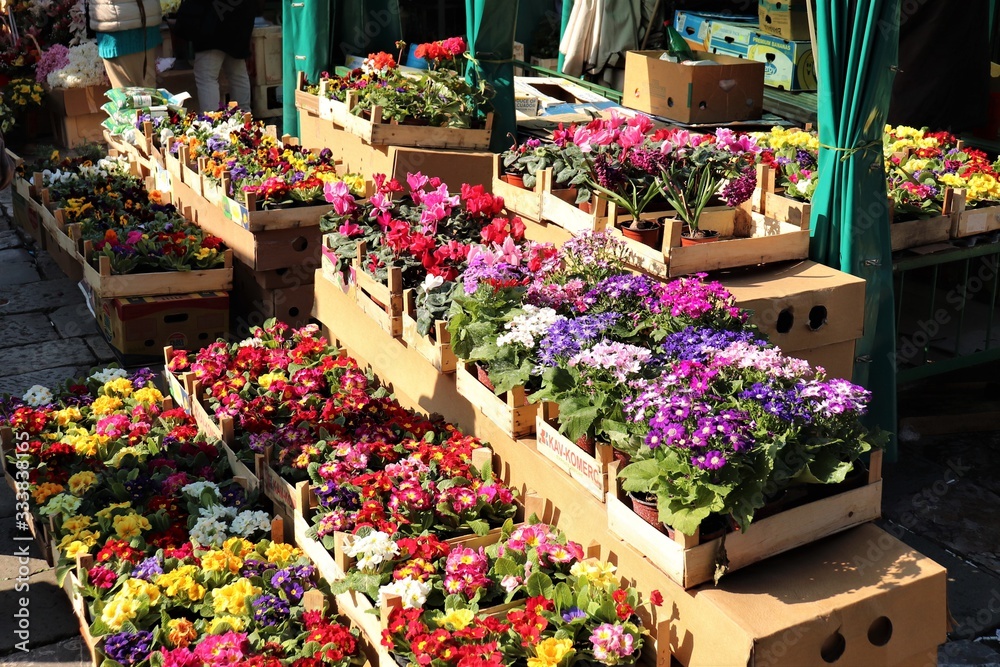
(589, 470)
(382, 303)
(377, 133)
(512, 413)
(106, 285)
(436, 346)
(690, 563)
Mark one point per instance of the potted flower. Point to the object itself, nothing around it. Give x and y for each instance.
(697, 168)
(522, 162)
(444, 53)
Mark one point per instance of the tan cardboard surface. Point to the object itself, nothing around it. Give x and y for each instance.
(788, 300)
(732, 90)
(837, 358)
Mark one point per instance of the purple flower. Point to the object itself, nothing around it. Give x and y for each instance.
(567, 336)
(253, 567)
(712, 460)
(739, 189)
(148, 569)
(128, 648)
(573, 613)
(270, 609)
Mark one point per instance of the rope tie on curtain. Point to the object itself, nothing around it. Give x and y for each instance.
(849, 152)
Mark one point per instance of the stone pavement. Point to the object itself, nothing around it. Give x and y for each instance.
(941, 498)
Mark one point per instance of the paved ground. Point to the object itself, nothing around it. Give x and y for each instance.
(941, 499)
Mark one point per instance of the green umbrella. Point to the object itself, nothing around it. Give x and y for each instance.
(857, 45)
(490, 27)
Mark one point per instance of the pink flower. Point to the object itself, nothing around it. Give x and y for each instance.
(631, 136)
(180, 657)
(380, 204)
(349, 229)
(641, 122)
(338, 194)
(416, 182)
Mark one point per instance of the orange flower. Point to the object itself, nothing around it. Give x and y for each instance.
(156, 197)
(111, 236)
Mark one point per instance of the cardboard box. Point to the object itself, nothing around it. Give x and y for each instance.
(858, 598)
(787, 19)
(732, 90)
(836, 359)
(788, 65)
(77, 115)
(266, 49)
(802, 305)
(78, 101)
(140, 327)
(694, 28)
(253, 303)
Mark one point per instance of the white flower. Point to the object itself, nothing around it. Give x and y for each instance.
(371, 550)
(249, 522)
(85, 68)
(218, 513)
(195, 489)
(510, 583)
(414, 593)
(208, 532)
(108, 374)
(37, 396)
(533, 324)
(431, 282)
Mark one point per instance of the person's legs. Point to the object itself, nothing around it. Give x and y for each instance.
(207, 65)
(239, 81)
(126, 71)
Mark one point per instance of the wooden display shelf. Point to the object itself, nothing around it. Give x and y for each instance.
(375, 132)
(249, 216)
(746, 240)
(511, 412)
(690, 563)
(436, 346)
(590, 471)
(106, 285)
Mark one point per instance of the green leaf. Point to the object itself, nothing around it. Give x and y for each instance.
(478, 526)
(540, 584)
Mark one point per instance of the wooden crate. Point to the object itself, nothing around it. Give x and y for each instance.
(382, 303)
(222, 430)
(38, 529)
(785, 209)
(377, 133)
(747, 240)
(63, 242)
(765, 184)
(519, 201)
(436, 346)
(106, 285)
(590, 471)
(512, 413)
(290, 500)
(973, 221)
(925, 231)
(265, 43)
(264, 101)
(688, 563)
(73, 588)
(305, 101)
(178, 386)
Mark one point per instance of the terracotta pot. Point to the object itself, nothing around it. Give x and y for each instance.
(585, 206)
(568, 195)
(650, 237)
(647, 511)
(688, 241)
(587, 444)
(623, 458)
(517, 180)
(484, 376)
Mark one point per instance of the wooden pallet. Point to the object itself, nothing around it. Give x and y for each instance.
(590, 471)
(689, 563)
(436, 346)
(106, 285)
(377, 133)
(512, 413)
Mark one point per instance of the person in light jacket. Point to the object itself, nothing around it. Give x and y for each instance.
(128, 32)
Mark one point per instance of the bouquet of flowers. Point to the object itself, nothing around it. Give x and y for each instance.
(83, 68)
(427, 233)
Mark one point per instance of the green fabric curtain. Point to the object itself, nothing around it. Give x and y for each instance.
(318, 34)
(305, 48)
(857, 44)
(490, 26)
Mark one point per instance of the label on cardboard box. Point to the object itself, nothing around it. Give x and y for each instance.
(788, 65)
(787, 19)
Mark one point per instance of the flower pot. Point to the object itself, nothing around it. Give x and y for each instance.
(702, 236)
(585, 206)
(517, 180)
(650, 237)
(568, 195)
(623, 458)
(484, 377)
(587, 444)
(647, 510)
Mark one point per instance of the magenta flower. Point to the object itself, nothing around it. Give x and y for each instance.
(338, 194)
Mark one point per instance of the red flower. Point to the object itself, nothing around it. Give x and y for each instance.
(656, 598)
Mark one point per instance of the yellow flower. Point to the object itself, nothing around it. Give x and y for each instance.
(87, 538)
(81, 482)
(118, 611)
(148, 396)
(119, 386)
(219, 561)
(45, 491)
(105, 405)
(74, 549)
(599, 573)
(458, 619)
(136, 587)
(267, 379)
(222, 624)
(131, 525)
(116, 460)
(232, 599)
(954, 180)
(68, 415)
(181, 581)
(281, 554)
(550, 652)
(181, 632)
(238, 546)
(107, 511)
(75, 524)
(205, 253)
